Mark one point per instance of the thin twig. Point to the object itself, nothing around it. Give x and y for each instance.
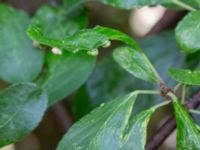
(168, 127)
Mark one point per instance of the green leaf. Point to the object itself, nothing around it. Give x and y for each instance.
(135, 139)
(57, 22)
(163, 56)
(19, 60)
(188, 32)
(108, 80)
(91, 39)
(129, 4)
(188, 136)
(113, 130)
(65, 73)
(88, 39)
(96, 131)
(185, 76)
(22, 107)
(136, 63)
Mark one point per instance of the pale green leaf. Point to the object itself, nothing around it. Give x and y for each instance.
(185, 76)
(22, 107)
(19, 60)
(65, 73)
(136, 63)
(188, 136)
(188, 32)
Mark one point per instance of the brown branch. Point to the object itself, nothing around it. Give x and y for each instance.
(168, 127)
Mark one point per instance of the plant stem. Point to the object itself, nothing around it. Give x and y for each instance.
(183, 5)
(177, 87)
(183, 94)
(194, 111)
(172, 96)
(161, 104)
(148, 92)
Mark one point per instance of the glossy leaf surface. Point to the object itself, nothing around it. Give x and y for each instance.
(188, 136)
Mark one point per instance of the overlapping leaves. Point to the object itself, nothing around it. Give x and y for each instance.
(91, 39)
(64, 73)
(112, 130)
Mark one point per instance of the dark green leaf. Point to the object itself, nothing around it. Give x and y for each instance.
(188, 32)
(56, 22)
(192, 60)
(19, 60)
(22, 107)
(185, 76)
(135, 139)
(102, 129)
(136, 63)
(65, 73)
(188, 136)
